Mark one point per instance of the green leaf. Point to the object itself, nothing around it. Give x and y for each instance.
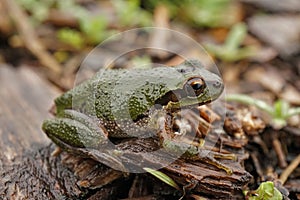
(245, 99)
(293, 111)
(281, 109)
(71, 37)
(266, 191)
(94, 28)
(130, 13)
(236, 36)
(209, 13)
(231, 51)
(39, 9)
(163, 177)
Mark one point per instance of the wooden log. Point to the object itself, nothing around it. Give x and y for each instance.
(24, 102)
(25, 168)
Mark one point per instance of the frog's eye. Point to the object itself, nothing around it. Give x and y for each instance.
(194, 87)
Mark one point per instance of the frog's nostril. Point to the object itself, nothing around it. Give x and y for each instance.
(217, 84)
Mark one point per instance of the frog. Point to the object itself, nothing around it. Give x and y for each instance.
(128, 103)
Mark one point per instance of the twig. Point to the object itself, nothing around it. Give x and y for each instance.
(280, 155)
(5, 24)
(160, 37)
(292, 166)
(29, 37)
(257, 165)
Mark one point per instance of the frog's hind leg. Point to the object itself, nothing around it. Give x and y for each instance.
(81, 134)
(75, 129)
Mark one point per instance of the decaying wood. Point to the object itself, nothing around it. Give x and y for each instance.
(205, 178)
(37, 175)
(24, 99)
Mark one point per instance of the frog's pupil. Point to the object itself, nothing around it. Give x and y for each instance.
(197, 86)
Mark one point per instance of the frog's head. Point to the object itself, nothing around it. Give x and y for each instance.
(196, 85)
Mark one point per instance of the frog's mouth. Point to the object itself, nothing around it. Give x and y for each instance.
(180, 95)
(191, 96)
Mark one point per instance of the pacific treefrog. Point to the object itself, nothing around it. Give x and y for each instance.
(126, 102)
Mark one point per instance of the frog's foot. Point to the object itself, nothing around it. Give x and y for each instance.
(81, 134)
(211, 157)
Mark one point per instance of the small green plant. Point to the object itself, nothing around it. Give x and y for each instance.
(39, 9)
(163, 177)
(279, 112)
(200, 13)
(71, 37)
(266, 191)
(93, 29)
(231, 51)
(130, 13)
(208, 13)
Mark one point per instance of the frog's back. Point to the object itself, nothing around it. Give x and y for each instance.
(121, 98)
(111, 94)
(83, 97)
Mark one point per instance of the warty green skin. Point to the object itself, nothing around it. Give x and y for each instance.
(117, 102)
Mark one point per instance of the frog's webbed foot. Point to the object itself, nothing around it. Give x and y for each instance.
(211, 157)
(78, 133)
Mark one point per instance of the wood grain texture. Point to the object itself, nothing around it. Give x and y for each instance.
(27, 171)
(24, 102)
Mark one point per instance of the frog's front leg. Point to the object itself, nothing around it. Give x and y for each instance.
(181, 145)
(78, 133)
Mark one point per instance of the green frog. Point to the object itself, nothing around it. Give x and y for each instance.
(126, 103)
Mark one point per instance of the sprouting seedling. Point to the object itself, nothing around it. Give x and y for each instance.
(231, 50)
(265, 191)
(279, 112)
(163, 177)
